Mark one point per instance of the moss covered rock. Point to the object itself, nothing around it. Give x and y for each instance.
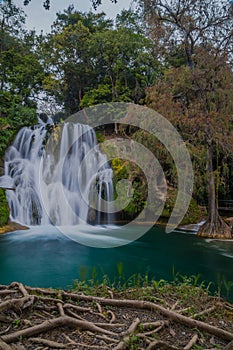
(4, 209)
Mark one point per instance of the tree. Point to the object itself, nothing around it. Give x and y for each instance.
(200, 88)
(125, 64)
(20, 74)
(89, 61)
(65, 55)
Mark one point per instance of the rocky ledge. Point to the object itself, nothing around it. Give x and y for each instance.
(12, 226)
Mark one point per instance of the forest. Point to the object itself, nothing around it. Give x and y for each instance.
(174, 58)
(151, 288)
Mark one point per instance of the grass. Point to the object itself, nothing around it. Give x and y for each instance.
(185, 287)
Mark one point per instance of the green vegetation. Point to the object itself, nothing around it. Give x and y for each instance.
(173, 59)
(20, 75)
(158, 314)
(4, 209)
(187, 288)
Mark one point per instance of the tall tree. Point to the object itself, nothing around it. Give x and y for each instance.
(202, 86)
(20, 73)
(65, 56)
(89, 61)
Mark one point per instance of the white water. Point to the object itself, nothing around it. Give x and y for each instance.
(54, 183)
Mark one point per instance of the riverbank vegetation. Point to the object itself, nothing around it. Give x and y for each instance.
(175, 59)
(158, 315)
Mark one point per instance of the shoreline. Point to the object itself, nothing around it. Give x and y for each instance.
(12, 226)
(189, 228)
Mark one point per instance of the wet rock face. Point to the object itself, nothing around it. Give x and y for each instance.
(43, 117)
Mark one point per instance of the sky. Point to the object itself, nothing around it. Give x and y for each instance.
(40, 19)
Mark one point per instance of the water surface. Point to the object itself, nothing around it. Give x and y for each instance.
(43, 256)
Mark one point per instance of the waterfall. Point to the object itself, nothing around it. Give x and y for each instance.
(59, 176)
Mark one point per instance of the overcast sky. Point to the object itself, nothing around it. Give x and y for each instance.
(38, 18)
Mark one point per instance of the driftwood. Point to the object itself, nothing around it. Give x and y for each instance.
(34, 315)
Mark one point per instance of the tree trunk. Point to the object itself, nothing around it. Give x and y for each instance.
(215, 226)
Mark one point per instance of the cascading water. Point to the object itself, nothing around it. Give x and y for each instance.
(56, 175)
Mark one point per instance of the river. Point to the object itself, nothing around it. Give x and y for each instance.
(43, 256)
